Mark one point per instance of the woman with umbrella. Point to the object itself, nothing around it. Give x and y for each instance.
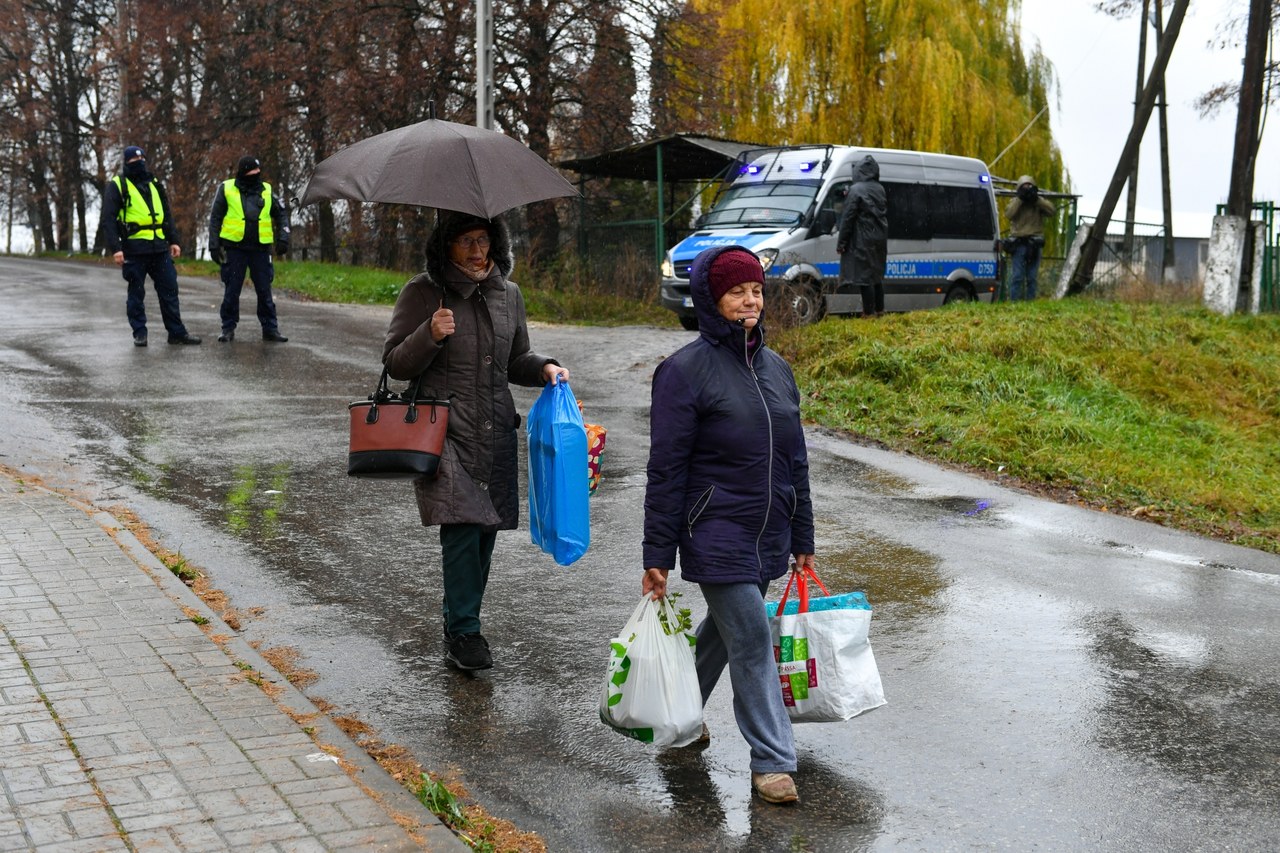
(461, 325)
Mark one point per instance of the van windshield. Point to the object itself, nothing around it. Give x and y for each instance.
(774, 203)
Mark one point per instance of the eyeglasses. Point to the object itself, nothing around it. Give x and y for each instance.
(468, 242)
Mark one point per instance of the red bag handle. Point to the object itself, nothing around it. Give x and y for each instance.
(800, 579)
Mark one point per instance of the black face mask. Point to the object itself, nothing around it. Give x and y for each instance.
(250, 183)
(137, 171)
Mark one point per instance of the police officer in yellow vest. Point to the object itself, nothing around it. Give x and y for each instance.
(247, 220)
(137, 225)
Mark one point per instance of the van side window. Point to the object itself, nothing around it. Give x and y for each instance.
(929, 211)
(909, 217)
(963, 212)
(828, 216)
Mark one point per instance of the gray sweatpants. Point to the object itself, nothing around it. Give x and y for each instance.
(736, 633)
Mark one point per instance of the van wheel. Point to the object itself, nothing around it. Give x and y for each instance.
(802, 301)
(959, 293)
(690, 323)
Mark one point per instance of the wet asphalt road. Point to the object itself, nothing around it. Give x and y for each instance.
(1057, 679)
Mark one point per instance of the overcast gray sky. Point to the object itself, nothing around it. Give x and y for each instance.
(1096, 58)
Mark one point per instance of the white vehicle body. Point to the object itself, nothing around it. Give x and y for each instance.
(785, 204)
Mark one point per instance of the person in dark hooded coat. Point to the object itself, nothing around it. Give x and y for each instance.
(863, 236)
(728, 490)
(461, 325)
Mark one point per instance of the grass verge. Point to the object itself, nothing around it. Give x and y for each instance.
(545, 300)
(1164, 412)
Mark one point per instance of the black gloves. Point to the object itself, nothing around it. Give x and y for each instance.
(282, 247)
(218, 255)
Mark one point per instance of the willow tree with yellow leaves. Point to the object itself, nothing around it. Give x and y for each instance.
(935, 75)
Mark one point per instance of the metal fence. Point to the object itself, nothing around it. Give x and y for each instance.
(1125, 264)
(620, 255)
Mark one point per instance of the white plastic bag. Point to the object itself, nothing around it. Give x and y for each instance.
(651, 688)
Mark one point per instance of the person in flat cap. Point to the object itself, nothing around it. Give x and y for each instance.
(137, 226)
(728, 492)
(246, 222)
(461, 326)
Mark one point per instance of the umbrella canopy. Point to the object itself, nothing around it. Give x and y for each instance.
(440, 164)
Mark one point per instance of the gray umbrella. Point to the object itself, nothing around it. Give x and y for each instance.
(440, 164)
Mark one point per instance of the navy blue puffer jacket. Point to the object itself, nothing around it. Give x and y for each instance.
(728, 475)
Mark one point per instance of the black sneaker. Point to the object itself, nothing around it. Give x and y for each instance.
(188, 340)
(469, 652)
(274, 337)
(140, 340)
(227, 336)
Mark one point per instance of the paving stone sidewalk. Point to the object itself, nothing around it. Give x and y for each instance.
(123, 726)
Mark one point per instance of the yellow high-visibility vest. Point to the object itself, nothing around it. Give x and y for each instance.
(233, 222)
(141, 221)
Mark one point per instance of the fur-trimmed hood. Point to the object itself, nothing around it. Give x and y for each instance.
(450, 224)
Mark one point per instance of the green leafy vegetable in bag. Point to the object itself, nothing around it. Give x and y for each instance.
(684, 617)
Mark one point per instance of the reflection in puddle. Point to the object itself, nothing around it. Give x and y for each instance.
(902, 583)
(256, 498)
(827, 467)
(1167, 702)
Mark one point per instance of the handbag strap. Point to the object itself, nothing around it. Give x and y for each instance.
(800, 578)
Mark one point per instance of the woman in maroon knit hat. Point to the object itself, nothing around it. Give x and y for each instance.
(728, 490)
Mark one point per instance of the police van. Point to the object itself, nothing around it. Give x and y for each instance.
(784, 204)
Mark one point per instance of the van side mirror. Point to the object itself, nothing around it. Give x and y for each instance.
(825, 222)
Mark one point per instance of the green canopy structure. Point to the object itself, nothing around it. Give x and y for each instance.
(665, 161)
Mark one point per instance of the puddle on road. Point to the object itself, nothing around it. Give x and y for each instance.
(900, 581)
(256, 498)
(826, 466)
(1166, 702)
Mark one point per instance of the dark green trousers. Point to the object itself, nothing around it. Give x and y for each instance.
(468, 551)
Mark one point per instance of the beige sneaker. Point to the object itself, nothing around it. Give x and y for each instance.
(774, 787)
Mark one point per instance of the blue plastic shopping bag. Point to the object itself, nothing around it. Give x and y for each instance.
(559, 518)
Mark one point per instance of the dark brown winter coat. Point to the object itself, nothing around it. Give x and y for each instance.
(478, 478)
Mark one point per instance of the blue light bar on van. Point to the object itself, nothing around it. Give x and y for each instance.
(808, 167)
(984, 179)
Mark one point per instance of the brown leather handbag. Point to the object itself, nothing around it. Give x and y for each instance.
(396, 436)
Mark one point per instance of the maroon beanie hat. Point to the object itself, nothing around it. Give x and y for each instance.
(731, 268)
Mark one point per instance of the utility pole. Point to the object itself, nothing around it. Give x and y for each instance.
(122, 57)
(1166, 191)
(484, 64)
(1131, 202)
(1083, 272)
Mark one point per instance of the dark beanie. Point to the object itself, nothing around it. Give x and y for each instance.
(453, 223)
(731, 268)
(247, 165)
(134, 151)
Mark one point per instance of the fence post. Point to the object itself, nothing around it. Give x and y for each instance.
(659, 236)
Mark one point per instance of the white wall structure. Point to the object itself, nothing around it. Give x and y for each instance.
(1073, 259)
(1226, 259)
(1255, 278)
